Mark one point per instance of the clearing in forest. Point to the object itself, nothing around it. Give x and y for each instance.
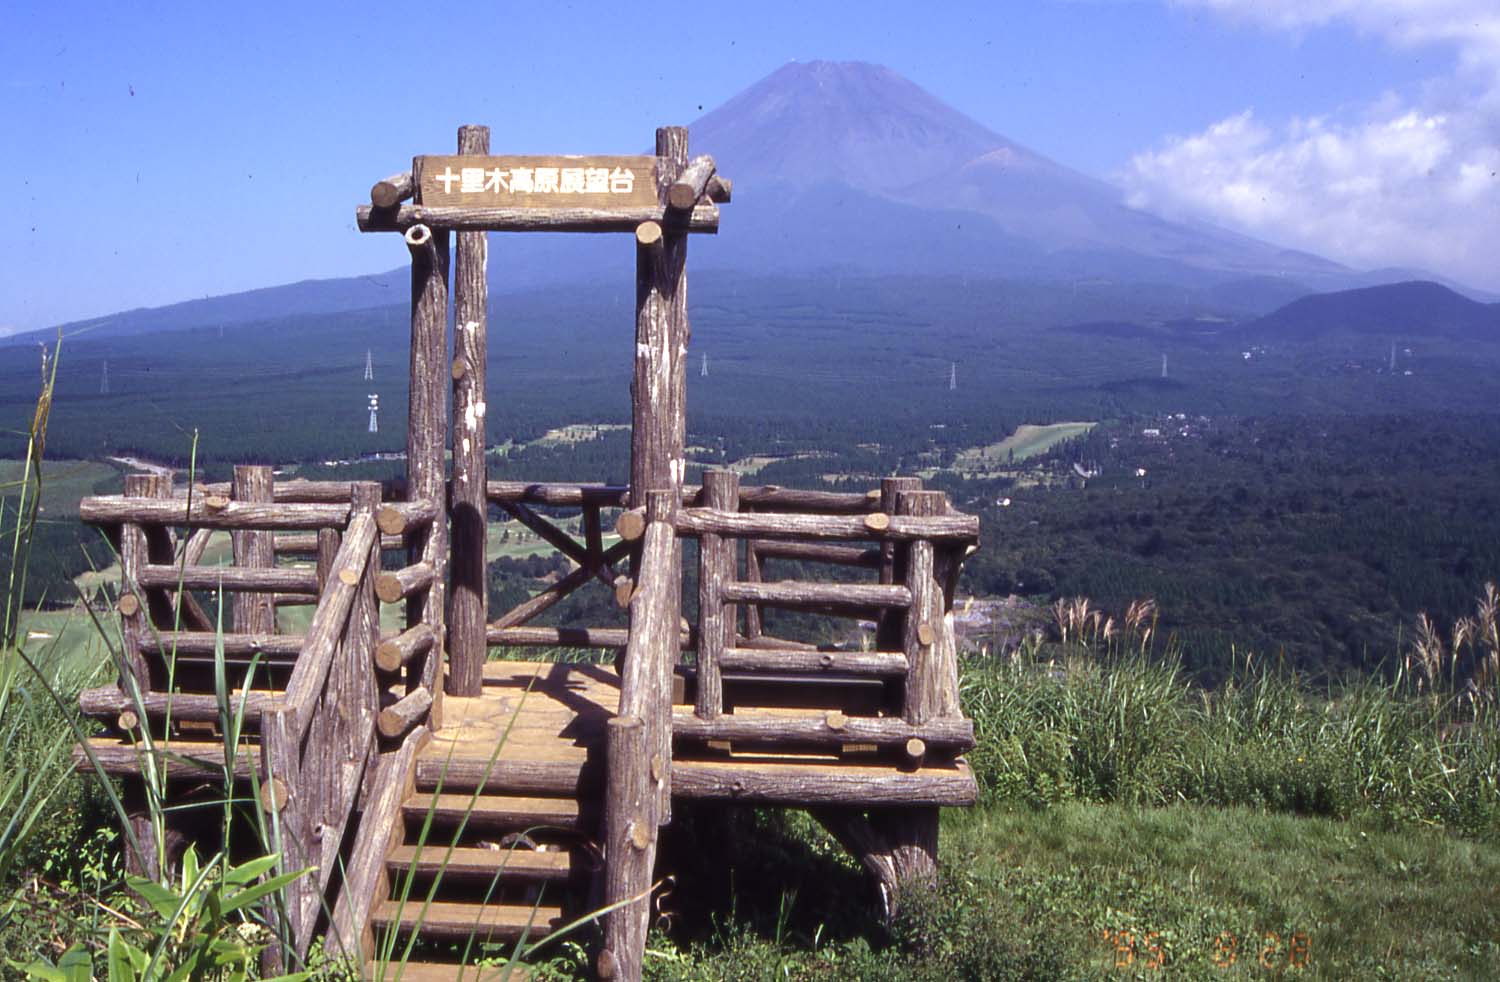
(1029, 440)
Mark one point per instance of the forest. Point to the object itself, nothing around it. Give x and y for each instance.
(1302, 499)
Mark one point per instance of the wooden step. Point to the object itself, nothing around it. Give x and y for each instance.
(444, 972)
(518, 863)
(493, 812)
(527, 777)
(459, 922)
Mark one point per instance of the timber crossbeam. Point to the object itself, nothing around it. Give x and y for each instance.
(704, 218)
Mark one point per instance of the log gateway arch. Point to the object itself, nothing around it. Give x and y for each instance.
(449, 778)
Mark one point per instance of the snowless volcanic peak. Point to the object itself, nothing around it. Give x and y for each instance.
(853, 123)
(822, 125)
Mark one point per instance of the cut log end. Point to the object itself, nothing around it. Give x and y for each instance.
(399, 718)
(391, 191)
(640, 835)
(648, 234)
(624, 592)
(128, 721)
(273, 795)
(682, 196)
(388, 656)
(877, 521)
(835, 720)
(390, 520)
(631, 524)
(128, 605)
(384, 195)
(387, 588)
(418, 236)
(215, 502)
(925, 634)
(916, 748)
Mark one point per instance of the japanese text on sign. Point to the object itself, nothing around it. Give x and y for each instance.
(539, 182)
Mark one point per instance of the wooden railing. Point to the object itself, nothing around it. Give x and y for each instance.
(522, 501)
(916, 545)
(316, 744)
(344, 684)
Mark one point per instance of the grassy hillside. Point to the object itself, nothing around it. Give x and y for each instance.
(1134, 826)
(1081, 891)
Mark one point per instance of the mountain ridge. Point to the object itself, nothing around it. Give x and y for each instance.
(1415, 309)
(849, 166)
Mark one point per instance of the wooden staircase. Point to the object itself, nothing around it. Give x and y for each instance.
(495, 841)
(481, 868)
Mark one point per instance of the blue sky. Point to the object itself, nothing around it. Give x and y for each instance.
(161, 152)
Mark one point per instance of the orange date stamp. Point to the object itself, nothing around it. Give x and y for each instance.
(1270, 950)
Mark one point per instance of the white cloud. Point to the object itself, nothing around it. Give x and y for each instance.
(1414, 181)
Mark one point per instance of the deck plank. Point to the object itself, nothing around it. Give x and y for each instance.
(538, 729)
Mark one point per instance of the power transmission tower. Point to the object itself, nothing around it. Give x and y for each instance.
(703, 372)
(374, 408)
(1393, 357)
(369, 366)
(104, 380)
(953, 376)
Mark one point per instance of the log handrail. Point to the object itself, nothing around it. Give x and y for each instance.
(274, 579)
(212, 512)
(295, 491)
(876, 525)
(759, 497)
(328, 623)
(950, 734)
(317, 740)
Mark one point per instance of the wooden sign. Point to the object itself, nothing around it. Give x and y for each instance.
(537, 182)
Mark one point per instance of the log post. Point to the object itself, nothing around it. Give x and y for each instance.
(897, 851)
(901, 850)
(890, 488)
(630, 831)
(254, 613)
(285, 800)
(135, 672)
(892, 561)
(142, 833)
(653, 646)
(716, 622)
(468, 610)
(658, 422)
(426, 431)
(927, 636)
(755, 572)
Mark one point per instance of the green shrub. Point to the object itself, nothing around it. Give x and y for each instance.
(1121, 728)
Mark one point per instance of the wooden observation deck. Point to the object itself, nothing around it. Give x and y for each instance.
(442, 798)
